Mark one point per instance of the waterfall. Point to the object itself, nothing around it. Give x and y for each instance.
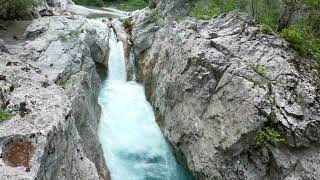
(133, 144)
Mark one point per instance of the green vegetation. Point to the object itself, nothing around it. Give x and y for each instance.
(4, 115)
(302, 41)
(206, 9)
(260, 69)
(155, 16)
(266, 29)
(128, 25)
(98, 3)
(65, 84)
(17, 9)
(302, 33)
(269, 135)
(73, 34)
(126, 5)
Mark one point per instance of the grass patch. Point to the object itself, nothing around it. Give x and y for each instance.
(4, 115)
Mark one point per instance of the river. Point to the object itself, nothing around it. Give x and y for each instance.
(134, 146)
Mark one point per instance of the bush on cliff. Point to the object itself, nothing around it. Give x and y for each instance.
(98, 3)
(128, 5)
(301, 30)
(205, 9)
(17, 9)
(303, 41)
(4, 115)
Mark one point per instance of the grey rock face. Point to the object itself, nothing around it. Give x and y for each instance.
(216, 84)
(51, 89)
(3, 47)
(171, 9)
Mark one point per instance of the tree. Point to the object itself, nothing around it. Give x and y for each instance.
(289, 8)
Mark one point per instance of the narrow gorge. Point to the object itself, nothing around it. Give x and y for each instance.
(133, 144)
(158, 93)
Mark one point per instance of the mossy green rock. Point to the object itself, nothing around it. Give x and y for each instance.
(4, 115)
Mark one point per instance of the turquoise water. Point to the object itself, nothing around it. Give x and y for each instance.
(134, 147)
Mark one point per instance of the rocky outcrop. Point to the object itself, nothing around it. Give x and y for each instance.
(217, 85)
(50, 86)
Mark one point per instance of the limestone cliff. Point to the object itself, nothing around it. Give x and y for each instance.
(218, 85)
(49, 85)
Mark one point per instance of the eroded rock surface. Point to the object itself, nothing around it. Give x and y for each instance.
(50, 87)
(216, 84)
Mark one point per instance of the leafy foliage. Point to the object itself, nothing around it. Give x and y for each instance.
(155, 16)
(205, 9)
(128, 25)
(134, 4)
(127, 5)
(269, 135)
(4, 115)
(17, 9)
(302, 41)
(98, 3)
(303, 33)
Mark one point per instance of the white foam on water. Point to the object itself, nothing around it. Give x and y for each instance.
(134, 147)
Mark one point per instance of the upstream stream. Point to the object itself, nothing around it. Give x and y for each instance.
(133, 144)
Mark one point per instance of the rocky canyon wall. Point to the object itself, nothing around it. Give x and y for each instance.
(49, 85)
(228, 96)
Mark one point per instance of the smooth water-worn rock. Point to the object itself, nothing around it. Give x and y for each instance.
(216, 84)
(50, 86)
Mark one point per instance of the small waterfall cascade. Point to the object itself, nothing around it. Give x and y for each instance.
(134, 146)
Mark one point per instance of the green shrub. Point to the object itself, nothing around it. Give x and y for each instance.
(304, 35)
(266, 29)
(127, 5)
(4, 115)
(17, 9)
(155, 16)
(302, 41)
(136, 4)
(98, 3)
(269, 135)
(206, 9)
(128, 25)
